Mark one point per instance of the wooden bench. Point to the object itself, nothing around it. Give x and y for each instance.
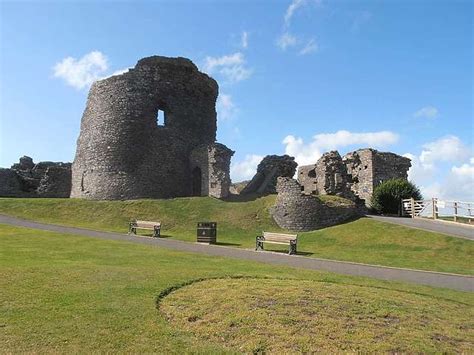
(277, 238)
(154, 226)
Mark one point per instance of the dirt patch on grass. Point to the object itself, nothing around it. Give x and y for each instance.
(273, 315)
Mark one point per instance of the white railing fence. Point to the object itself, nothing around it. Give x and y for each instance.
(435, 208)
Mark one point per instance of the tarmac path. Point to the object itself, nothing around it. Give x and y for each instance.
(436, 279)
(450, 228)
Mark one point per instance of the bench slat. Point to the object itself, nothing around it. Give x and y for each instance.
(279, 235)
(147, 224)
(272, 242)
(277, 238)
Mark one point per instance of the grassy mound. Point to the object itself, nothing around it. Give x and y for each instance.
(364, 240)
(286, 316)
(72, 294)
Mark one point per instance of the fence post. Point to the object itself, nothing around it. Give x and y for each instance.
(412, 202)
(435, 208)
(455, 211)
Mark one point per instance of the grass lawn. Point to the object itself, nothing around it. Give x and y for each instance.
(62, 293)
(365, 240)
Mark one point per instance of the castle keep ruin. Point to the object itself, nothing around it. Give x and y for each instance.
(150, 133)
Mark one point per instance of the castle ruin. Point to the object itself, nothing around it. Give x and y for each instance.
(28, 179)
(268, 170)
(357, 173)
(150, 133)
(294, 210)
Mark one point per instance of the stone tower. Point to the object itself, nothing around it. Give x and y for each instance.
(139, 129)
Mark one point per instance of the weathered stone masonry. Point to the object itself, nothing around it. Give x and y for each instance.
(357, 174)
(270, 168)
(122, 153)
(27, 179)
(297, 211)
(368, 168)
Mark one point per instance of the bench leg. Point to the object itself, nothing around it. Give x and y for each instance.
(292, 248)
(258, 244)
(156, 232)
(132, 229)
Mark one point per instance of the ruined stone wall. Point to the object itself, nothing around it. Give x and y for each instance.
(359, 167)
(388, 166)
(27, 179)
(122, 153)
(327, 177)
(368, 168)
(213, 162)
(270, 168)
(297, 211)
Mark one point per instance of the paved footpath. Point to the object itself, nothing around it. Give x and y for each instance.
(437, 279)
(450, 228)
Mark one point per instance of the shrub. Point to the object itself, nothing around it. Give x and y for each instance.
(387, 196)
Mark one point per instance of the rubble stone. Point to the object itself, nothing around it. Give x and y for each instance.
(27, 179)
(269, 169)
(297, 211)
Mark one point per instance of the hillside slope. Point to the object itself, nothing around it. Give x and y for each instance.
(364, 240)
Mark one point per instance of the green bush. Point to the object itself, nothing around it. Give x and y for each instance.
(388, 195)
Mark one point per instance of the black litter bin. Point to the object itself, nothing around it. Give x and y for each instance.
(207, 232)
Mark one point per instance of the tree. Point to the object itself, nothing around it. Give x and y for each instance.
(388, 195)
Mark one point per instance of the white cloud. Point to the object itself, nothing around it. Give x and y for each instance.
(120, 71)
(427, 112)
(226, 108)
(232, 67)
(295, 5)
(287, 40)
(81, 73)
(419, 171)
(245, 169)
(244, 40)
(310, 47)
(444, 169)
(458, 185)
(449, 148)
(309, 153)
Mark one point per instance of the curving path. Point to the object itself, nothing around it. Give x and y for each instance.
(437, 279)
(450, 228)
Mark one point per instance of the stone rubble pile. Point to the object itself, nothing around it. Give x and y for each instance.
(27, 179)
(269, 169)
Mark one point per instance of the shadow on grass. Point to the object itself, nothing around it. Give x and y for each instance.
(243, 198)
(150, 235)
(228, 244)
(280, 251)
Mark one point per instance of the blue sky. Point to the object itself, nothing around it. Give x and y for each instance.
(296, 76)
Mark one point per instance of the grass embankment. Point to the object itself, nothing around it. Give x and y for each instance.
(365, 240)
(68, 294)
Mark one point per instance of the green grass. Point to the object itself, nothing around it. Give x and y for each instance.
(365, 240)
(63, 293)
(288, 316)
